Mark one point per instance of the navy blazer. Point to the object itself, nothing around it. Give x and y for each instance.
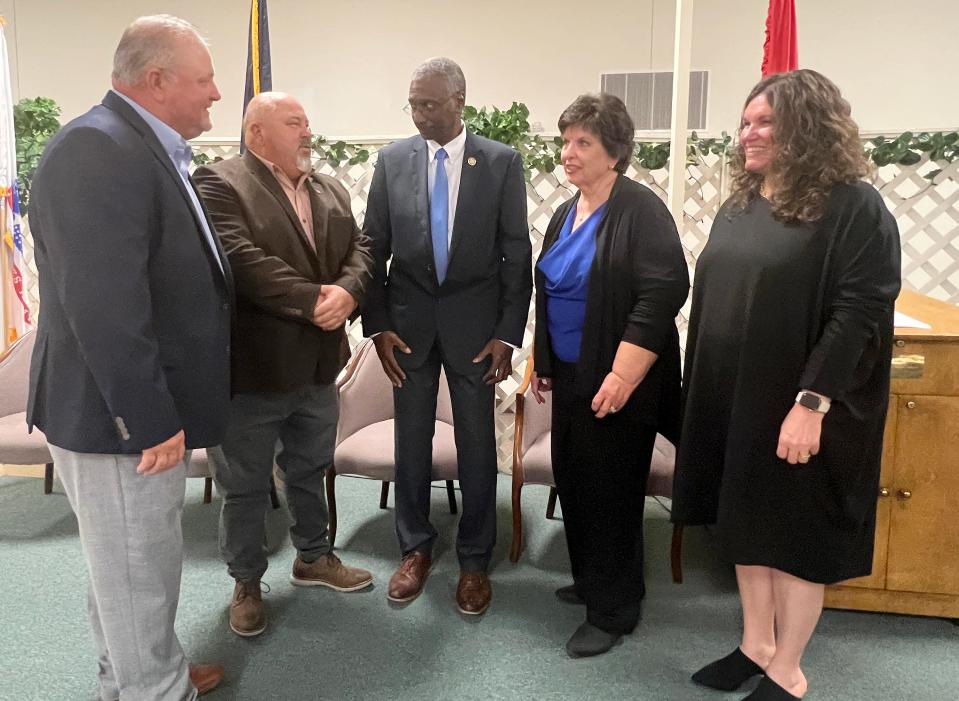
(135, 309)
(488, 283)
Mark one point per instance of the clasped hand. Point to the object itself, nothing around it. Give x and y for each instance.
(333, 307)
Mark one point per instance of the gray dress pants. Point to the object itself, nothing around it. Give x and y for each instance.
(132, 540)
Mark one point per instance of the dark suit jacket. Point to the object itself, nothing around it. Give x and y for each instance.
(276, 346)
(488, 282)
(637, 284)
(134, 332)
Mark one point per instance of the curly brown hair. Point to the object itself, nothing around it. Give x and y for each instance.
(816, 142)
(605, 116)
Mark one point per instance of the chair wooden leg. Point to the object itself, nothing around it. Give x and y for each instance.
(274, 499)
(331, 503)
(516, 548)
(207, 490)
(384, 494)
(451, 495)
(551, 504)
(48, 479)
(676, 553)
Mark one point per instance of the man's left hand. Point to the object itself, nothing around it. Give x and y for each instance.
(333, 307)
(502, 365)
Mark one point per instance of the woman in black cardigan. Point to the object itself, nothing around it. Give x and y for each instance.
(609, 282)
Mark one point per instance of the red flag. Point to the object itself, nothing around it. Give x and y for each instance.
(781, 50)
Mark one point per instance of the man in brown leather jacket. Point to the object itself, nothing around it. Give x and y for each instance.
(301, 268)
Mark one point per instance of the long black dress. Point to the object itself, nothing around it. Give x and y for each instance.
(778, 308)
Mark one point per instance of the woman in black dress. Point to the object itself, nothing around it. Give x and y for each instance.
(609, 283)
(787, 373)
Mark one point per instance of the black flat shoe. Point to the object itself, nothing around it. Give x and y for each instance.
(569, 595)
(768, 690)
(588, 640)
(729, 673)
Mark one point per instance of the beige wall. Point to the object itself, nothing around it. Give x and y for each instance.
(350, 61)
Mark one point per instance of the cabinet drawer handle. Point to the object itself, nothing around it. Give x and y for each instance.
(900, 343)
(910, 405)
(904, 494)
(883, 492)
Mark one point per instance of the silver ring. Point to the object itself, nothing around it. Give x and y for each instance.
(613, 410)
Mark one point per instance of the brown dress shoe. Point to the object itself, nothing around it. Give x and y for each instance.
(205, 677)
(247, 613)
(473, 593)
(329, 571)
(408, 580)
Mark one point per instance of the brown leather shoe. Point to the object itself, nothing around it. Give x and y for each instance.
(408, 580)
(329, 571)
(247, 613)
(205, 677)
(473, 593)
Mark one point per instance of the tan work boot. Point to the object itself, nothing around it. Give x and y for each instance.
(329, 571)
(247, 613)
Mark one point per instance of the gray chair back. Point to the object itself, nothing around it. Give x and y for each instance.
(15, 375)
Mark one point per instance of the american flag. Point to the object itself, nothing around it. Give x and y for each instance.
(16, 313)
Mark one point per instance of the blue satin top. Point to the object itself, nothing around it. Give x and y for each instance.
(566, 266)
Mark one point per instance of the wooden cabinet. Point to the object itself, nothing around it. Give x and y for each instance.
(916, 562)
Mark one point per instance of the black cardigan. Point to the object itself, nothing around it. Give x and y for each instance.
(637, 284)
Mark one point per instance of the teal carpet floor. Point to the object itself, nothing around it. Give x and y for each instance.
(329, 646)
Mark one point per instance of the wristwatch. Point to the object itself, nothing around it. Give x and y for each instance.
(813, 402)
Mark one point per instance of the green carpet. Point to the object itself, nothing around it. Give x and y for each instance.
(331, 646)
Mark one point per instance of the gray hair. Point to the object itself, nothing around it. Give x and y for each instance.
(150, 41)
(446, 67)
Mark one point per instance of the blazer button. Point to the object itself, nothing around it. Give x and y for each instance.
(429, 268)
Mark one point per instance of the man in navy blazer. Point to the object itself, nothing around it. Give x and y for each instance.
(131, 363)
(447, 209)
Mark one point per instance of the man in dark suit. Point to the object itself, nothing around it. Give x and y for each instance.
(448, 210)
(301, 268)
(131, 363)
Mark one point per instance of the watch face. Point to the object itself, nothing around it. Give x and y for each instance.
(810, 401)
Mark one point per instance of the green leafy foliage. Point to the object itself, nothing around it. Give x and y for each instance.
(511, 127)
(35, 120)
(337, 152)
(907, 149)
(202, 159)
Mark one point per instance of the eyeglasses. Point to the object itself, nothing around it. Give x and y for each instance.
(425, 106)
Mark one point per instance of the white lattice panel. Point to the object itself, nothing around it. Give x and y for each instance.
(928, 215)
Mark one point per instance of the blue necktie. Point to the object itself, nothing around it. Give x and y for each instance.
(439, 217)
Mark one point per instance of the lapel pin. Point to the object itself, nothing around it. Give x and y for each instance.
(471, 161)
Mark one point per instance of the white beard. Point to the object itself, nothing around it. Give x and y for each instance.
(304, 163)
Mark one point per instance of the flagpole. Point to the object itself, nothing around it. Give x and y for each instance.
(682, 55)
